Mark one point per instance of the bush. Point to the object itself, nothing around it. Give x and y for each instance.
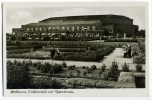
(125, 68)
(138, 68)
(103, 67)
(78, 73)
(64, 65)
(112, 74)
(17, 76)
(18, 43)
(71, 67)
(83, 67)
(89, 70)
(93, 67)
(46, 83)
(57, 68)
(46, 67)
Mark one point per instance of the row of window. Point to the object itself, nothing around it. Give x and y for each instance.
(70, 35)
(57, 28)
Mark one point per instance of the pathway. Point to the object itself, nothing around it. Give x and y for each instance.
(116, 55)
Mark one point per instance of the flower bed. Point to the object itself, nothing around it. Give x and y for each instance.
(139, 50)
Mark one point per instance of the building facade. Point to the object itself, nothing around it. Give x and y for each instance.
(91, 26)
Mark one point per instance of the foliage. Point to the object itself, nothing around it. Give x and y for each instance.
(78, 73)
(125, 67)
(103, 67)
(18, 51)
(17, 75)
(50, 68)
(112, 73)
(138, 68)
(71, 67)
(93, 67)
(64, 65)
(45, 82)
(89, 70)
(85, 74)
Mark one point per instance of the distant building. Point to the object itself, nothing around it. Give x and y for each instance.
(89, 26)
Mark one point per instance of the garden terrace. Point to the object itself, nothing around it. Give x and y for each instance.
(69, 50)
(40, 75)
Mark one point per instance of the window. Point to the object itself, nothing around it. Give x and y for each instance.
(28, 29)
(31, 29)
(73, 28)
(58, 28)
(36, 29)
(63, 28)
(40, 29)
(93, 28)
(88, 27)
(54, 28)
(68, 28)
(77, 28)
(49, 28)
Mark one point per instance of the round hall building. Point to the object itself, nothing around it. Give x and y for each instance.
(77, 27)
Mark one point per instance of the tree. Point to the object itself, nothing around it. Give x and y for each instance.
(138, 68)
(125, 67)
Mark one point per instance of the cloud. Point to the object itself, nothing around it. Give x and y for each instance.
(20, 16)
(140, 22)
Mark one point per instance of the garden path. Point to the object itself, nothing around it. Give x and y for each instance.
(116, 55)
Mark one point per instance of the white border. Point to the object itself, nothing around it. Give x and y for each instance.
(132, 91)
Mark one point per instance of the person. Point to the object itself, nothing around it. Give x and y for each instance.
(58, 52)
(52, 53)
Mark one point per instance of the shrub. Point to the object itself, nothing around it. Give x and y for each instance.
(112, 73)
(78, 73)
(93, 67)
(106, 75)
(83, 67)
(9, 62)
(103, 67)
(57, 68)
(71, 67)
(46, 67)
(89, 70)
(125, 68)
(138, 68)
(46, 83)
(17, 77)
(64, 65)
(35, 64)
(38, 65)
(85, 74)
